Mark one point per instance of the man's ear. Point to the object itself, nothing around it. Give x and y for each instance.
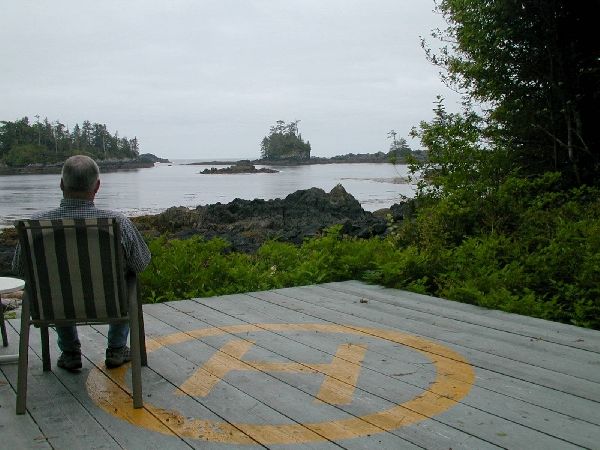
(62, 185)
(97, 186)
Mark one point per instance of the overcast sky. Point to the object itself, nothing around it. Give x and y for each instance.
(206, 79)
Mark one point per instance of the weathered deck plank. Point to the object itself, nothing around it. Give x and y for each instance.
(57, 410)
(536, 418)
(294, 404)
(231, 403)
(486, 357)
(501, 403)
(559, 333)
(530, 392)
(380, 390)
(489, 337)
(232, 366)
(524, 349)
(17, 432)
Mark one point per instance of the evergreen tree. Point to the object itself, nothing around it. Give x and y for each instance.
(22, 143)
(399, 151)
(284, 142)
(534, 64)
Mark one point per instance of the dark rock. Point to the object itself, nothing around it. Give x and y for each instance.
(115, 165)
(241, 167)
(398, 211)
(402, 211)
(152, 158)
(174, 219)
(349, 158)
(246, 224)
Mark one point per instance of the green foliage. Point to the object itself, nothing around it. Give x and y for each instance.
(459, 156)
(542, 261)
(528, 247)
(189, 268)
(284, 142)
(536, 70)
(198, 268)
(23, 143)
(400, 151)
(24, 154)
(506, 216)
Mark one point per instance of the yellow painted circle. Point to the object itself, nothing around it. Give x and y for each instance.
(453, 381)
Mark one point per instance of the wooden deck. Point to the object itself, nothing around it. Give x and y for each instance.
(339, 365)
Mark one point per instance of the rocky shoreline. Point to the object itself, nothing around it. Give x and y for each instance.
(112, 165)
(246, 224)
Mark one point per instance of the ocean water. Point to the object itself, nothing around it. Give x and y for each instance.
(150, 191)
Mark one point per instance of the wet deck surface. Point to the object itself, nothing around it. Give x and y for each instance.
(339, 365)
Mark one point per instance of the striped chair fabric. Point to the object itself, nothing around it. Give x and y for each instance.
(86, 257)
(75, 274)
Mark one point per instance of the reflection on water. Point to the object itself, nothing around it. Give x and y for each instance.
(149, 191)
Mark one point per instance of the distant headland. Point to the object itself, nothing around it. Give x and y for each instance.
(350, 158)
(41, 146)
(106, 165)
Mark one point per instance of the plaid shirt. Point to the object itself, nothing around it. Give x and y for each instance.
(137, 255)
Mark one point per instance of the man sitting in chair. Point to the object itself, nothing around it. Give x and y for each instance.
(79, 183)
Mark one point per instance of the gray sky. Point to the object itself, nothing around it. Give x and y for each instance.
(200, 79)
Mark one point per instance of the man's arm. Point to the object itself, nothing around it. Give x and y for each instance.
(137, 254)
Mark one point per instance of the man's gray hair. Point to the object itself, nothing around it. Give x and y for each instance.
(80, 173)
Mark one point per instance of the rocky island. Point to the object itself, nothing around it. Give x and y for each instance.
(243, 166)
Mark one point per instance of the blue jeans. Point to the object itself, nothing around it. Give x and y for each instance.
(68, 341)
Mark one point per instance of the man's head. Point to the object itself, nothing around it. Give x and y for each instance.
(80, 177)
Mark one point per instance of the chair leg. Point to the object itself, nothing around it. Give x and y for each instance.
(136, 374)
(23, 358)
(45, 349)
(142, 334)
(3, 325)
(136, 362)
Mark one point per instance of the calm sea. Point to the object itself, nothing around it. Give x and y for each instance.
(149, 191)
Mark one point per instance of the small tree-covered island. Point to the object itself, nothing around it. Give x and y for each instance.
(284, 145)
(284, 142)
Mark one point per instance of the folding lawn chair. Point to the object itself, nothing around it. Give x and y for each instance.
(75, 274)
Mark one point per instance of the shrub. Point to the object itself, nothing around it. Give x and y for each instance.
(542, 260)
